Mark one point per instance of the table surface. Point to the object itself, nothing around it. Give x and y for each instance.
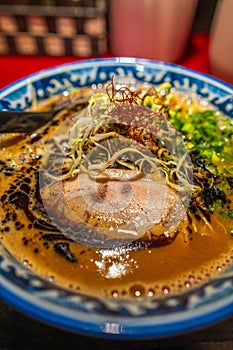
(18, 331)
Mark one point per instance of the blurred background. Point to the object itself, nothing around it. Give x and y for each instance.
(181, 31)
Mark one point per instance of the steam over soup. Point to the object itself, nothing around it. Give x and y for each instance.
(130, 196)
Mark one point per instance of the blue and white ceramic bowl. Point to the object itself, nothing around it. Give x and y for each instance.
(172, 315)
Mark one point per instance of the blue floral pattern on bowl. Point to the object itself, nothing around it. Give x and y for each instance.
(113, 318)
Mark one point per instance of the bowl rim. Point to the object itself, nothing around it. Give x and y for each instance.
(8, 291)
(120, 60)
(102, 326)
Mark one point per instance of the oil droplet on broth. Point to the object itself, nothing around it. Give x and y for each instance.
(137, 291)
(115, 294)
(166, 290)
(151, 293)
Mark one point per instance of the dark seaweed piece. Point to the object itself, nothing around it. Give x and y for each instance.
(63, 249)
(51, 237)
(230, 182)
(20, 199)
(212, 194)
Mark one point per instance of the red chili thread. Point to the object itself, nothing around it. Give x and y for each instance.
(122, 94)
(126, 112)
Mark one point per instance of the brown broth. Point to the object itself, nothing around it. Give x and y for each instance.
(121, 272)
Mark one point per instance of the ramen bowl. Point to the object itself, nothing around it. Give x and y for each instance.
(109, 317)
